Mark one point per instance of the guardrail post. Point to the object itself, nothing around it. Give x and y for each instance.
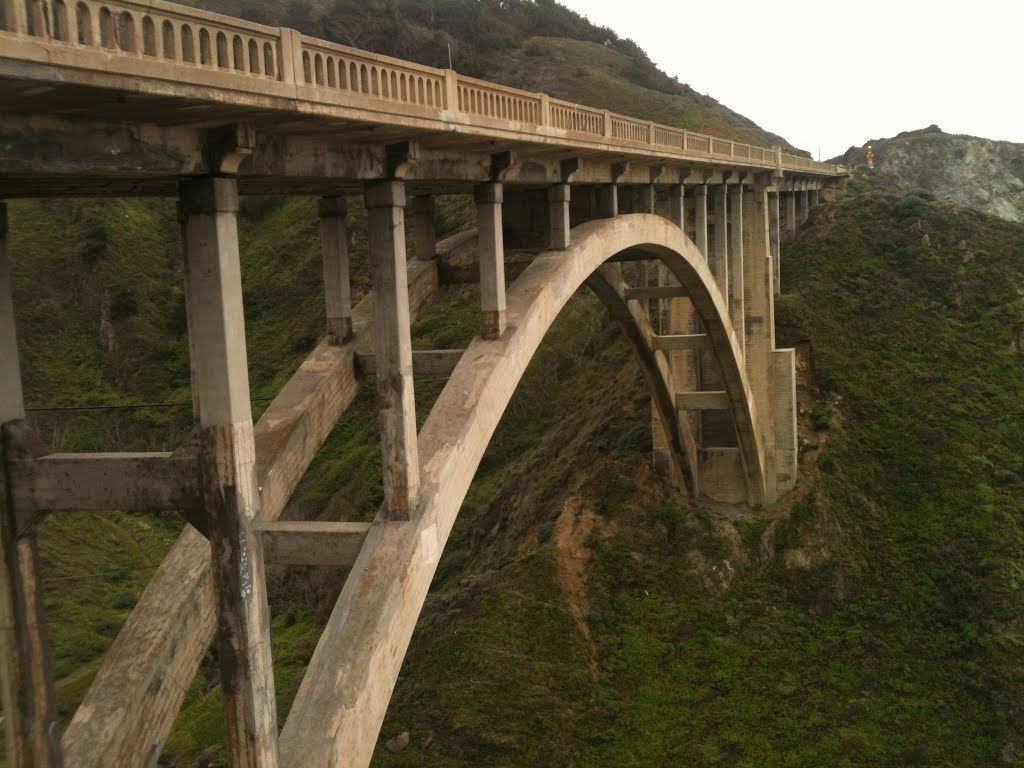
(607, 124)
(15, 18)
(291, 57)
(545, 109)
(451, 90)
(650, 129)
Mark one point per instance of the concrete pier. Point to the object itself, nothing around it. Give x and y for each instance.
(385, 204)
(227, 455)
(337, 285)
(491, 249)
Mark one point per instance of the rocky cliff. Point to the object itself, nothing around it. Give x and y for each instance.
(977, 173)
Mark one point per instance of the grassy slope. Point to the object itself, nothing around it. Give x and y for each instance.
(875, 625)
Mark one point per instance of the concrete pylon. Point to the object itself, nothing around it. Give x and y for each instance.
(491, 249)
(774, 237)
(32, 727)
(791, 213)
(607, 201)
(228, 468)
(719, 257)
(558, 207)
(759, 321)
(736, 300)
(801, 204)
(700, 218)
(385, 204)
(337, 285)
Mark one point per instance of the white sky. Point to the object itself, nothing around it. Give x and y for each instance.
(836, 73)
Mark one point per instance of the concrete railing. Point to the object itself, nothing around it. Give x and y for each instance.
(223, 50)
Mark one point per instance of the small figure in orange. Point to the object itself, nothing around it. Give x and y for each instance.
(871, 158)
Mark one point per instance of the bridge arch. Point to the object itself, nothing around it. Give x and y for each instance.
(341, 703)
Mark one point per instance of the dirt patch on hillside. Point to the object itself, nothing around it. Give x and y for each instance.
(573, 531)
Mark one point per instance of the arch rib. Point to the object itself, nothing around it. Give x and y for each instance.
(341, 703)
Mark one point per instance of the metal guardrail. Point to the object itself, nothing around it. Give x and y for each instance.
(262, 59)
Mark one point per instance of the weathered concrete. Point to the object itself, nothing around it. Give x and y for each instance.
(337, 285)
(558, 205)
(227, 454)
(759, 305)
(130, 707)
(719, 255)
(430, 362)
(736, 310)
(790, 213)
(491, 250)
(700, 219)
(385, 204)
(30, 713)
(298, 542)
(774, 243)
(336, 716)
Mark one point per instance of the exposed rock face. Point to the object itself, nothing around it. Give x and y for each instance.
(978, 173)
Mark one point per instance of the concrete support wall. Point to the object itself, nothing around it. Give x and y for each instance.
(812, 197)
(424, 230)
(558, 205)
(337, 286)
(385, 203)
(228, 469)
(784, 416)
(30, 714)
(719, 256)
(774, 238)
(491, 249)
(790, 213)
(759, 297)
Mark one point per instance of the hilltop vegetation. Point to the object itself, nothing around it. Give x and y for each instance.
(978, 173)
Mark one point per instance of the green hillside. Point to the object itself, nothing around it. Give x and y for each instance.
(583, 613)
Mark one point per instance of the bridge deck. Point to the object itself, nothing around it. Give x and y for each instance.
(319, 110)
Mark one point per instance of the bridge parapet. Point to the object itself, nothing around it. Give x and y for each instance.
(191, 47)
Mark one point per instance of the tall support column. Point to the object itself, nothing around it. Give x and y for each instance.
(228, 469)
(558, 205)
(337, 288)
(385, 203)
(677, 205)
(758, 279)
(607, 201)
(736, 300)
(423, 226)
(791, 214)
(812, 197)
(700, 218)
(30, 715)
(773, 237)
(801, 204)
(720, 247)
(491, 248)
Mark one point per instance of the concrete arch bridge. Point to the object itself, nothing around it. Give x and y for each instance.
(676, 232)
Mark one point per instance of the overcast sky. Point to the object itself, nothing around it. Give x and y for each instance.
(836, 73)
